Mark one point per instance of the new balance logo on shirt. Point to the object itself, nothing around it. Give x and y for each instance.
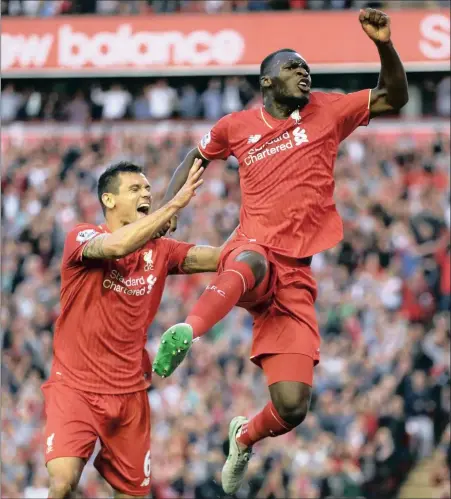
(253, 139)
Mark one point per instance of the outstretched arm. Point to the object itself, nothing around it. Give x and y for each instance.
(178, 179)
(133, 236)
(181, 174)
(391, 92)
(214, 145)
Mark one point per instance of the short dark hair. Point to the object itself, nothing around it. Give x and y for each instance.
(266, 63)
(109, 180)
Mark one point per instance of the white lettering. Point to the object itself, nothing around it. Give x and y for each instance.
(127, 286)
(144, 48)
(217, 290)
(435, 30)
(147, 465)
(285, 135)
(252, 157)
(228, 47)
(32, 50)
(140, 281)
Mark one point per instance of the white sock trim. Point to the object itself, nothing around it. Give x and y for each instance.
(278, 419)
(242, 278)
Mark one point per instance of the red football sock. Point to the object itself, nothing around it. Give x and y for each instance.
(266, 423)
(221, 295)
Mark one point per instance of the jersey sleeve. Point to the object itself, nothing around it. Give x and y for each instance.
(215, 144)
(351, 111)
(76, 240)
(177, 252)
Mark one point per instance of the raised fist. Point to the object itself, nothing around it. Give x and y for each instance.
(376, 25)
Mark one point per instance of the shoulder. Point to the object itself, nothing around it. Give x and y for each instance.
(240, 117)
(324, 98)
(171, 247)
(84, 232)
(246, 115)
(161, 246)
(242, 121)
(76, 240)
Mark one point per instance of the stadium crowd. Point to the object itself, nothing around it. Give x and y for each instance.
(209, 99)
(48, 8)
(381, 396)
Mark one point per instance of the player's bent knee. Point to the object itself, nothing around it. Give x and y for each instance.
(61, 488)
(294, 414)
(291, 400)
(257, 262)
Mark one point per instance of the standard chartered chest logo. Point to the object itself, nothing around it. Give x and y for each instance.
(132, 286)
(288, 140)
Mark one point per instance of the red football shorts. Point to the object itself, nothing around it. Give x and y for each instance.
(282, 306)
(75, 420)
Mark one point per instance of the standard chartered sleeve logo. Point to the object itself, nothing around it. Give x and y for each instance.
(132, 286)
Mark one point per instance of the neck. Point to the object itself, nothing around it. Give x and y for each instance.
(113, 223)
(276, 109)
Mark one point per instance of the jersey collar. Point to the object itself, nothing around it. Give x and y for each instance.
(272, 122)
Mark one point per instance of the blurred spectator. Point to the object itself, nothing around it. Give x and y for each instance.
(419, 408)
(132, 7)
(10, 103)
(444, 97)
(211, 100)
(218, 96)
(231, 96)
(114, 101)
(31, 105)
(108, 7)
(189, 102)
(77, 110)
(140, 107)
(162, 100)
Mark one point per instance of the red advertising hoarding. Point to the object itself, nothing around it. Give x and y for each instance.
(214, 44)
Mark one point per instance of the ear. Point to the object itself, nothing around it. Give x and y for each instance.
(108, 200)
(265, 82)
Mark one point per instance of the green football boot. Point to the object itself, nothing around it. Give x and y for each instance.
(174, 346)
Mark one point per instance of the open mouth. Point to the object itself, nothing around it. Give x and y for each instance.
(304, 85)
(144, 208)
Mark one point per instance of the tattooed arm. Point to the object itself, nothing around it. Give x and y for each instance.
(204, 258)
(129, 238)
(201, 259)
(94, 248)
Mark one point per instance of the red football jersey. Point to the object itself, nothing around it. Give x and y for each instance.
(106, 309)
(286, 169)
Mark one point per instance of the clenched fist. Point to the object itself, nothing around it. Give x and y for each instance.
(376, 25)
